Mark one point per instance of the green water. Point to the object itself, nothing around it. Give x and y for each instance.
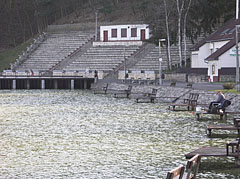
(75, 134)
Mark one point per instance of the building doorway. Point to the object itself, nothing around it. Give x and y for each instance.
(143, 37)
(105, 35)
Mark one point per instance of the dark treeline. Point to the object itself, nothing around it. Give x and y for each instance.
(22, 19)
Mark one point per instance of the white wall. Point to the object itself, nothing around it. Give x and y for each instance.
(224, 61)
(204, 52)
(128, 27)
(194, 59)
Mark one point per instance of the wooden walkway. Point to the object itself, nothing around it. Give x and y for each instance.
(231, 150)
(221, 127)
(208, 152)
(223, 115)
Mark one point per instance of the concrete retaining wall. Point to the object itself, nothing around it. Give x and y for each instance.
(175, 76)
(229, 78)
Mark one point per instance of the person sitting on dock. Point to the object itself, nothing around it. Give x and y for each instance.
(219, 102)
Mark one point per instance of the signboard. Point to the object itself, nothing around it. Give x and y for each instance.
(233, 52)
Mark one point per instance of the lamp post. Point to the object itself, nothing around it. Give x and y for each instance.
(237, 47)
(160, 61)
(96, 31)
(125, 66)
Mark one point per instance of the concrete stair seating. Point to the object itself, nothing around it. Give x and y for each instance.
(146, 68)
(54, 49)
(97, 62)
(94, 65)
(105, 58)
(39, 67)
(152, 57)
(151, 61)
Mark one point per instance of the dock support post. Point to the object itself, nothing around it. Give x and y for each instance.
(42, 84)
(72, 84)
(14, 84)
(55, 84)
(85, 84)
(28, 84)
(237, 161)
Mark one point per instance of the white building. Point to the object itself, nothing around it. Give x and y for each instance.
(216, 52)
(138, 32)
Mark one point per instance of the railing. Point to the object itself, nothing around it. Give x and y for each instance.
(29, 50)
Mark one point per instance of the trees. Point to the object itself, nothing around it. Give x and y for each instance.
(20, 20)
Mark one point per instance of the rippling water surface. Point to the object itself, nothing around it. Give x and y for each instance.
(75, 134)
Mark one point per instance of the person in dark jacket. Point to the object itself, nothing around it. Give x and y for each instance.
(220, 100)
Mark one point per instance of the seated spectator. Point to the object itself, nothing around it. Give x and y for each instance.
(220, 100)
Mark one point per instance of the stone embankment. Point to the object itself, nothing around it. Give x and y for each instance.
(175, 94)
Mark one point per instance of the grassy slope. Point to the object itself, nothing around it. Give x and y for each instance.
(10, 55)
(228, 91)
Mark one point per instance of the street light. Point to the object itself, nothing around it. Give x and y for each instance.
(125, 65)
(160, 61)
(96, 26)
(237, 59)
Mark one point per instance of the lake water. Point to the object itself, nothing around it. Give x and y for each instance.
(75, 134)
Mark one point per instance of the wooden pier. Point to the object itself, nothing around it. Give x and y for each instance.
(221, 115)
(208, 152)
(44, 82)
(235, 126)
(221, 127)
(231, 150)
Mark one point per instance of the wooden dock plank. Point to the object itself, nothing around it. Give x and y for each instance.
(223, 127)
(208, 152)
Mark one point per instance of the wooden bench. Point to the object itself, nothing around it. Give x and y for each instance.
(189, 85)
(222, 115)
(192, 167)
(233, 147)
(176, 173)
(190, 102)
(236, 126)
(102, 90)
(150, 97)
(123, 93)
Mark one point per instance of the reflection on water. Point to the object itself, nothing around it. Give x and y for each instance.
(75, 134)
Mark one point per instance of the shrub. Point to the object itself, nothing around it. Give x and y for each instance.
(228, 86)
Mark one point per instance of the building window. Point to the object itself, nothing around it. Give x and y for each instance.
(213, 69)
(114, 33)
(123, 32)
(134, 32)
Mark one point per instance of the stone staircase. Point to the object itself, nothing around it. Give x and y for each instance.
(150, 62)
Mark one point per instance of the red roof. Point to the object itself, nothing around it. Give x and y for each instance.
(226, 32)
(222, 50)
